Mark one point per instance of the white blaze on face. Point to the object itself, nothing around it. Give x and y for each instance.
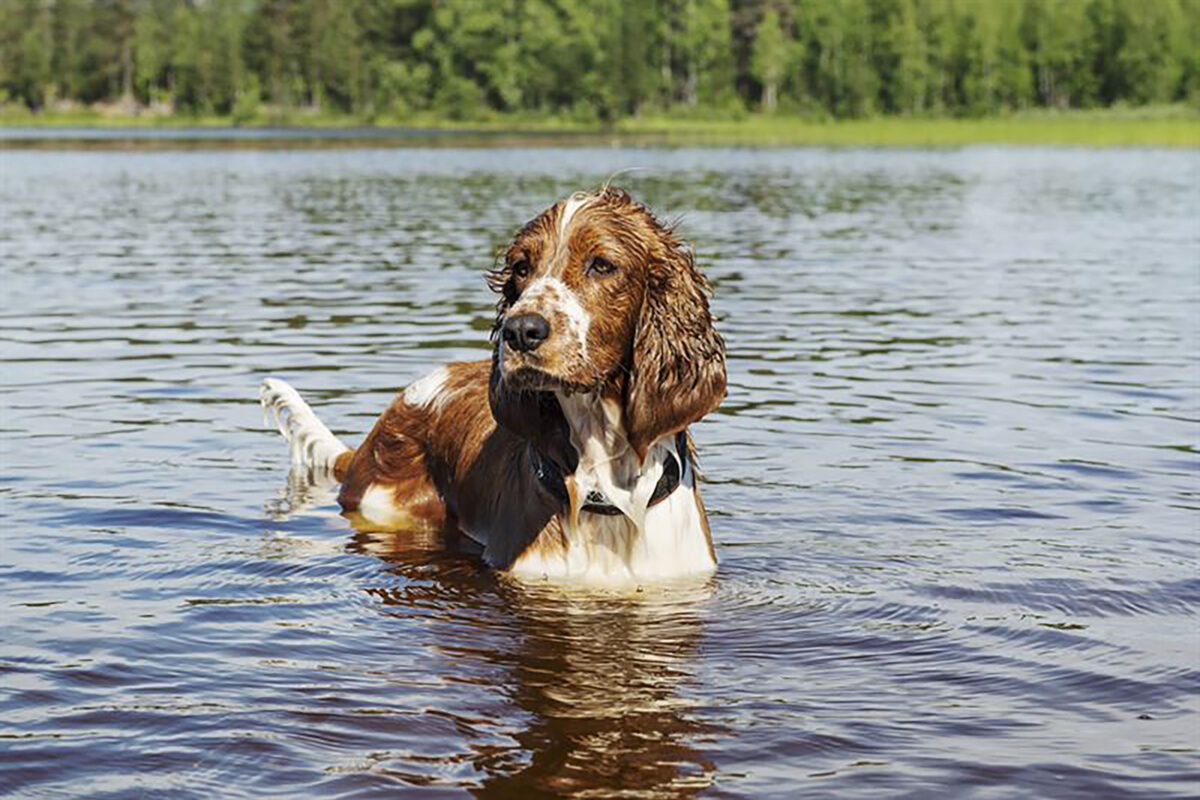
(550, 297)
(571, 205)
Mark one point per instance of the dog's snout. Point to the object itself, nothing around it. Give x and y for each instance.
(526, 332)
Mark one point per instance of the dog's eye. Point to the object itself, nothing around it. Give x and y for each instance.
(521, 269)
(600, 266)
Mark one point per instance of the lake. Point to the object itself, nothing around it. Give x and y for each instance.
(953, 490)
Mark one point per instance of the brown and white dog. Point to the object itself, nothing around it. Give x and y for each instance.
(566, 456)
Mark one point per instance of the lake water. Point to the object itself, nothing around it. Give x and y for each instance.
(954, 488)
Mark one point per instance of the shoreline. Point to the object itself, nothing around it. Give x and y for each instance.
(1171, 126)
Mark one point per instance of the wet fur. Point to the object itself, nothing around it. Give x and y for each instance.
(454, 453)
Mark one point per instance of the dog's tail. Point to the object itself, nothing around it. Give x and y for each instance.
(313, 447)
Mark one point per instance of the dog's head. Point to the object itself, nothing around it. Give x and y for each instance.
(598, 295)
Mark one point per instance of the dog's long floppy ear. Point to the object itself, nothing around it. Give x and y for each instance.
(677, 373)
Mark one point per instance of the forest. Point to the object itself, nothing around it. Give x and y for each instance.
(598, 60)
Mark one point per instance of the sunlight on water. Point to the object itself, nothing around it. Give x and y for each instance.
(953, 489)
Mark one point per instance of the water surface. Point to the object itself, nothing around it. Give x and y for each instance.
(953, 489)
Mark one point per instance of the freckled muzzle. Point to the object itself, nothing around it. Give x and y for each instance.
(544, 337)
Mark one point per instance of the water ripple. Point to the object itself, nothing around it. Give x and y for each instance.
(953, 488)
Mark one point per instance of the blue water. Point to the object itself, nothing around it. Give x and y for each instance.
(953, 490)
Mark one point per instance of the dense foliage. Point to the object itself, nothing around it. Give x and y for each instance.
(599, 59)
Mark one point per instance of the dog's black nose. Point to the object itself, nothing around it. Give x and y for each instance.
(526, 332)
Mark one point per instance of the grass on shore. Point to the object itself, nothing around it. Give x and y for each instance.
(1093, 129)
(1164, 126)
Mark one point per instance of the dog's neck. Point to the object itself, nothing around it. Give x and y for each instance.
(607, 462)
(667, 539)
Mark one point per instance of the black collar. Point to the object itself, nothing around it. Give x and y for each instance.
(550, 476)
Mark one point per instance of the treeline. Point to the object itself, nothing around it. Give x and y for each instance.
(599, 59)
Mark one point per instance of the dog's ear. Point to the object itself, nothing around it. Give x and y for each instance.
(677, 372)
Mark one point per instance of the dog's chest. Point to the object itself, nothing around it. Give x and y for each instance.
(673, 543)
(647, 540)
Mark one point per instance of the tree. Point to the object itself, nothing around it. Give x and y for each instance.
(25, 49)
(1189, 87)
(1058, 34)
(707, 51)
(769, 58)
(901, 59)
(600, 59)
(271, 51)
(151, 50)
(69, 21)
(1152, 57)
(628, 53)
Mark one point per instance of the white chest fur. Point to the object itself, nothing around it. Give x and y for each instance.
(644, 543)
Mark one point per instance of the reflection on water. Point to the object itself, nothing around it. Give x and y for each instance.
(953, 490)
(594, 679)
(593, 675)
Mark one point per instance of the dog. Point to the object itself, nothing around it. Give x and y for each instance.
(566, 456)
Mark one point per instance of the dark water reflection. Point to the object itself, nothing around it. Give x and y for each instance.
(954, 488)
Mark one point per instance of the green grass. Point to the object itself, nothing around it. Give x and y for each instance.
(1091, 129)
(1166, 126)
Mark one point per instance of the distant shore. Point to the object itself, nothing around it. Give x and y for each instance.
(1163, 126)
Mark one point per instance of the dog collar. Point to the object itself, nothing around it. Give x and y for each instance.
(550, 476)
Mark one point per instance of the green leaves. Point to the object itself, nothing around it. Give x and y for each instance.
(596, 60)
